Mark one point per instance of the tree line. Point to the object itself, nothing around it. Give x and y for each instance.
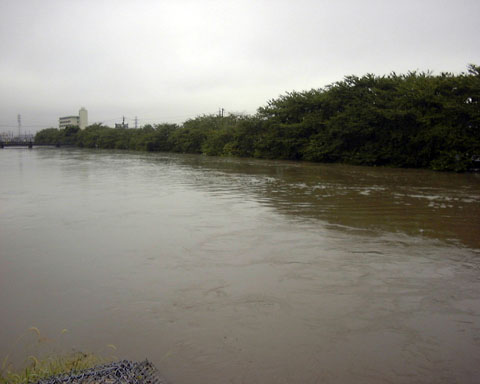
(417, 120)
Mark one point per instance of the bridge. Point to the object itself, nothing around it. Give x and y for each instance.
(24, 143)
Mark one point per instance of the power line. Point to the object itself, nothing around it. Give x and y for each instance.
(136, 121)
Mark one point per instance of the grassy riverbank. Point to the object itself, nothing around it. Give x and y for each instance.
(38, 369)
(415, 120)
(41, 360)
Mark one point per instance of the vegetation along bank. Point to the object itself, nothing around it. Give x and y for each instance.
(417, 120)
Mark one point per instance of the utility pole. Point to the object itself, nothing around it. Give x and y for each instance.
(19, 120)
(123, 121)
(136, 122)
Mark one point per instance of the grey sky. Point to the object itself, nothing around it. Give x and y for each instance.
(168, 60)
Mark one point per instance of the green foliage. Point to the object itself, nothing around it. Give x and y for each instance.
(215, 142)
(246, 134)
(410, 120)
(48, 136)
(54, 136)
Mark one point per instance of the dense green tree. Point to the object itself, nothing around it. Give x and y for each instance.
(47, 136)
(411, 120)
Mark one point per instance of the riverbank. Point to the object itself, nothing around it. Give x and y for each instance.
(83, 368)
(415, 120)
(40, 368)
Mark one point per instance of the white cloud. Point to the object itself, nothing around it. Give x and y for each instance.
(168, 60)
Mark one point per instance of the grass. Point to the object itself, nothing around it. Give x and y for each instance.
(37, 366)
(54, 365)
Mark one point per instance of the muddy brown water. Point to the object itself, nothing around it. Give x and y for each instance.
(224, 270)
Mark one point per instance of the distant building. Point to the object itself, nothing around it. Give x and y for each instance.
(83, 118)
(68, 120)
(123, 125)
(78, 121)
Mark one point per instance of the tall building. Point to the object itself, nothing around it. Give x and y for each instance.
(79, 121)
(83, 118)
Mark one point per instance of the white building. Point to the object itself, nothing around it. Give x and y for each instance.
(68, 120)
(83, 118)
(79, 121)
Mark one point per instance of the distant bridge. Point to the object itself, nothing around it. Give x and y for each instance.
(23, 143)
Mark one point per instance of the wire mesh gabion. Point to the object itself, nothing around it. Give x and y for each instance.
(121, 372)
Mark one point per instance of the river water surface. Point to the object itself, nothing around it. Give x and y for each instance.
(224, 270)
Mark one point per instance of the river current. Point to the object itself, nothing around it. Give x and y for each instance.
(222, 270)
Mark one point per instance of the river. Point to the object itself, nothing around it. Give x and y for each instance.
(222, 270)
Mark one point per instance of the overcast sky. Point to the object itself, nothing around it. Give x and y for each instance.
(170, 60)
